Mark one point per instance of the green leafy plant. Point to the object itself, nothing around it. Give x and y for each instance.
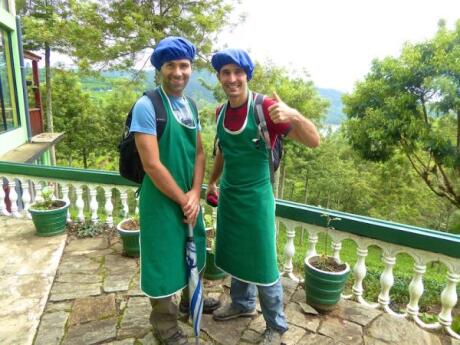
(48, 203)
(89, 229)
(324, 261)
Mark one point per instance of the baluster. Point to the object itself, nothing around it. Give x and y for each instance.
(289, 251)
(93, 204)
(415, 290)
(65, 197)
(108, 206)
(359, 271)
(26, 198)
(448, 300)
(80, 204)
(124, 203)
(312, 241)
(136, 211)
(386, 282)
(336, 247)
(38, 192)
(13, 198)
(3, 209)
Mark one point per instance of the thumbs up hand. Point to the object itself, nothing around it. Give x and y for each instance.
(281, 112)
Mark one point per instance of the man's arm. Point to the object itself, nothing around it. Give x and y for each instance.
(216, 172)
(303, 130)
(192, 207)
(147, 147)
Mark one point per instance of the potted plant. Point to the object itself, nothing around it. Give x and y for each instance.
(49, 216)
(129, 229)
(325, 277)
(211, 271)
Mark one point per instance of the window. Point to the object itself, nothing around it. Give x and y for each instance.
(8, 114)
(4, 5)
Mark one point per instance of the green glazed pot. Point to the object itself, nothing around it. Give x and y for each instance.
(323, 289)
(211, 271)
(130, 239)
(50, 222)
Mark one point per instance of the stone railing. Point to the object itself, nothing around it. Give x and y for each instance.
(93, 197)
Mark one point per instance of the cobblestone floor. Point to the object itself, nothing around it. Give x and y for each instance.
(95, 299)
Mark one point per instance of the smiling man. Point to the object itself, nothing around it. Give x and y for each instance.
(170, 192)
(246, 240)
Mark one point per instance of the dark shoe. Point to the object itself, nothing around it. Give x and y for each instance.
(177, 338)
(271, 337)
(229, 311)
(209, 305)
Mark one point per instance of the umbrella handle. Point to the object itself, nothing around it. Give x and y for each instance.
(190, 230)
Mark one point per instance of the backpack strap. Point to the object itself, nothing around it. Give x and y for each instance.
(160, 111)
(263, 130)
(194, 107)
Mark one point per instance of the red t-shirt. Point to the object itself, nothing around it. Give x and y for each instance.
(234, 119)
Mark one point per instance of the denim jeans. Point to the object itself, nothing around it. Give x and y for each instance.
(271, 301)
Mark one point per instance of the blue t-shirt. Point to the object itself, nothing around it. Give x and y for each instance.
(144, 118)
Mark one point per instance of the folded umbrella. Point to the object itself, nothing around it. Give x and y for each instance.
(194, 284)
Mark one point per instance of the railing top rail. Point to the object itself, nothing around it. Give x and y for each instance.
(390, 232)
(65, 173)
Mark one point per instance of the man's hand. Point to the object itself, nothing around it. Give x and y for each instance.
(212, 189)
(191, 207)
(280, 112)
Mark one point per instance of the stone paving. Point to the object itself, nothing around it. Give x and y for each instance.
(95, 299)
(28, 265)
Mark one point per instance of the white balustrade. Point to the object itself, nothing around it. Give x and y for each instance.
(3, 210)
(65, 197)
(448, 300)
(31, 192)
(93, 204)
(76, 196)
(80, 203)
(386, 282)
(38, 191)
(13, 198)
(312, 241)
(359, 271)
(289, 250)
(108, 206)
(415, 290)
(336, 247)
(26, 197)
(124, 203)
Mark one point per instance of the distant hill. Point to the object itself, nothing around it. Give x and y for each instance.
(195, 89)
(335, 114)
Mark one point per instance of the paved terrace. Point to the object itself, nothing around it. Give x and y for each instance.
(62, 290)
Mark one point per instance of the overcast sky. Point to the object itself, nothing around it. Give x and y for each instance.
(335, 40)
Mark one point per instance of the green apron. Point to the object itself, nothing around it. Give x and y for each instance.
(246, 238)
(162, 235)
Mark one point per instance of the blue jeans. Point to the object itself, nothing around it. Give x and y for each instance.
(271, 301)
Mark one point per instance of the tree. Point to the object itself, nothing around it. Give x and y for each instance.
(112, 33)
(298, 91)
(125, 28)
(79, 118)
(411, 105)
(44, 23)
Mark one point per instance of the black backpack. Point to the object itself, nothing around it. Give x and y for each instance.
(130, 164)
